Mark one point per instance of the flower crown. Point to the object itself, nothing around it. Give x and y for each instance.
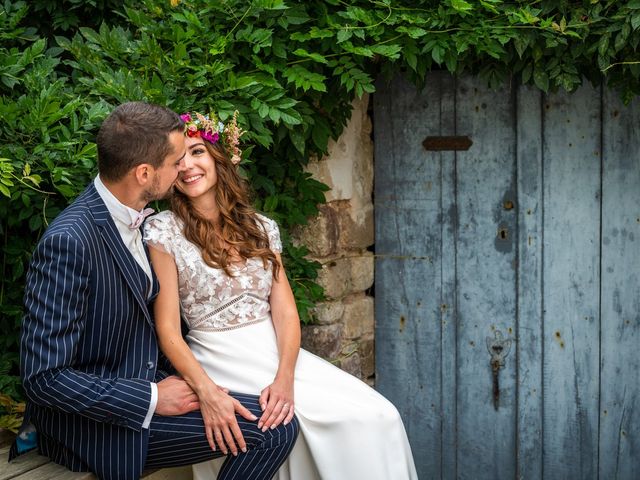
(211, 129)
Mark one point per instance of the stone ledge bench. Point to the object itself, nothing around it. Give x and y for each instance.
(32, 466)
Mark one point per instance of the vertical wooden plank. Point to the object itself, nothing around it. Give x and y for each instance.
(486, 280)
(529, 324)
(571, 157)
(448, 293)
(408, 333)
(620, 289)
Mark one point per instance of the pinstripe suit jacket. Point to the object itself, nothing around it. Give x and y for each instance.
(88, 344)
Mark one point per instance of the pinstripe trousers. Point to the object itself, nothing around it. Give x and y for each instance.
(175, 441)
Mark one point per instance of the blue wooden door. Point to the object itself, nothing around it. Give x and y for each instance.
(524, 249)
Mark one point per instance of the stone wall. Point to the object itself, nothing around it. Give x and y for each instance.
(338, 239)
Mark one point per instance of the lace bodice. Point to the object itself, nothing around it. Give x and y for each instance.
(209, 298)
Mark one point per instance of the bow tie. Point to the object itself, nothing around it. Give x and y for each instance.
(142, 214)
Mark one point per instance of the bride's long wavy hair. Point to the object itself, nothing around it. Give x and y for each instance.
(238, 228)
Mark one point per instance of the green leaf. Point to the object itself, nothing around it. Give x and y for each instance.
(270, 4)
(296, 16)
(437, 54)
(344, 35)
(298, 140)
(603, 45)
(26, 200)
(35, 223)
(526, 73)
(5, 191)
(521, 44)
(461, 5)
(270, 203)
(603, 62)
(413, 32)
(66, 190)
(411, 59)
(541, 79)
(451, 61)
(300, 37)
(362, 51)
(316, 32)
(390, 51)
(90, 35)
(303, 78)
(291, 117)
(320, 134)
(314, 56)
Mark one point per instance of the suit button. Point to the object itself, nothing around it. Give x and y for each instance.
(149, 365)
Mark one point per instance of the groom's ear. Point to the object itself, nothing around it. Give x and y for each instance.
(143, 174)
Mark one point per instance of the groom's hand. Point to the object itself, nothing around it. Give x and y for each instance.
(175, 397)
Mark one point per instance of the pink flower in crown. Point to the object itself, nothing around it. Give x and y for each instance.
(210, 137)
(185, 117)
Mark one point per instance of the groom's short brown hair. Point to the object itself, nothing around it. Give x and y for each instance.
(135, 133)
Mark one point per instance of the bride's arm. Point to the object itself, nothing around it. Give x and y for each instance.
(277, 399)
(218, 408)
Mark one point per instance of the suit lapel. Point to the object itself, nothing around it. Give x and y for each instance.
(155, 285)
(122, 256)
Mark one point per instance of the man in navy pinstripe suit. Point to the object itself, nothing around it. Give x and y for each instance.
(98, 390)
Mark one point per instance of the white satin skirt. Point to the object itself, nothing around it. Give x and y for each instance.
(348, 431)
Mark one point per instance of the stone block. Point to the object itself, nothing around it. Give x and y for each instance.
(351, 364)
(326, 313)
(362, 272)
(335, 277)
(344, 275)
(320, 235)
(358, 316)
(323, 340)
(356, 228)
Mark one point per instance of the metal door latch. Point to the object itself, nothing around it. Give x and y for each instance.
(498, 347)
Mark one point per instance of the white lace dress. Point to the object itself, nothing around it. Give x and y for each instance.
(348, 431)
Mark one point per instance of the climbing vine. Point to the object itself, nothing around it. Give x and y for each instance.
(292, 69)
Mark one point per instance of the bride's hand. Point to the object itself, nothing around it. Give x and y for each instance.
(276, 402)
(221, 426)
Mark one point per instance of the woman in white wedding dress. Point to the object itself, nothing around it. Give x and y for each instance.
(219, 267)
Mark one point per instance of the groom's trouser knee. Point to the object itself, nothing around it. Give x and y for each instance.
(181, 440)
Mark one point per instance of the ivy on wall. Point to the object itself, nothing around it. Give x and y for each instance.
(291, 68)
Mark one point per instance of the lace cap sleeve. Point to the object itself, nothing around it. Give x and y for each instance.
(159, 232)
(273, 232)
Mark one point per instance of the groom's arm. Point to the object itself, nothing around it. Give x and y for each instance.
(56, 304)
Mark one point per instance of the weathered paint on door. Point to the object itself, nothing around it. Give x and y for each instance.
(533, 232)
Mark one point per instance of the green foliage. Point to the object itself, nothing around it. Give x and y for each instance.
(44, 159)
(11, 409)
(291, 68)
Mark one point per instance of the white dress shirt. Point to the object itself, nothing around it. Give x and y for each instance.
(123, 216)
